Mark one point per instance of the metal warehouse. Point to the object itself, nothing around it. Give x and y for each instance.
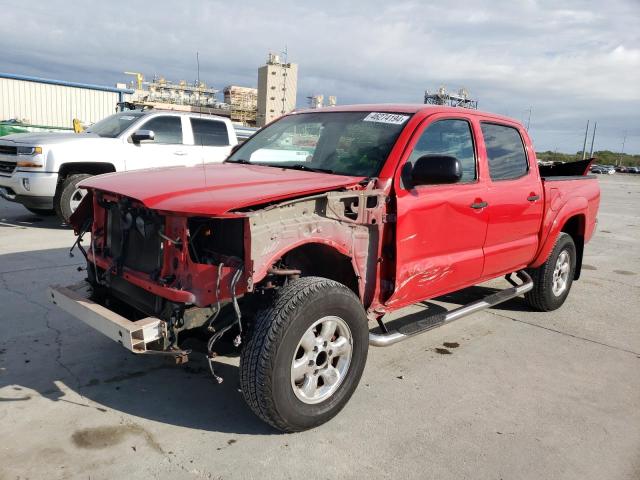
(55, 103)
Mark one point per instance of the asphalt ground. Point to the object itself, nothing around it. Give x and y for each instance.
(514, 394)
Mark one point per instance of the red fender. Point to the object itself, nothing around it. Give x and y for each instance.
(552, 226)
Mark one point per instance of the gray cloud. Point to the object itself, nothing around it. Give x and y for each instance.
(570, 60)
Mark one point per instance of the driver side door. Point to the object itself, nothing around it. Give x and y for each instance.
(165, 150)
(440, 229)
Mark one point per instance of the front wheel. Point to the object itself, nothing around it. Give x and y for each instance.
(553, 279)
(68, 196)
(305, 355)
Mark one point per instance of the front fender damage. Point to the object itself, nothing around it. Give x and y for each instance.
(349, 222)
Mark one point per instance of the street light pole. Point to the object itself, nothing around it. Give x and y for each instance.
(584, 145)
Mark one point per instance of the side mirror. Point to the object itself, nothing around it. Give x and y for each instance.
(142, 135)
(435, 170)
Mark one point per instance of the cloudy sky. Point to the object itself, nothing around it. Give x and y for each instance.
(568, 60)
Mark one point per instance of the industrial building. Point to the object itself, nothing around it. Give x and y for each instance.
(243, 102)
(317, 101)
(277, 89)
(55, 103)
(181, 96)
(442, 97)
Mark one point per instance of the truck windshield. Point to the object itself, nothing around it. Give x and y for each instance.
(345, 143)
(114, 125)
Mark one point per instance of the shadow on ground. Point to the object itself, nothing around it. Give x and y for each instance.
(31, 220)
(60, 353)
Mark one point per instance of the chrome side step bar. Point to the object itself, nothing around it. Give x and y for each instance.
(428, 323)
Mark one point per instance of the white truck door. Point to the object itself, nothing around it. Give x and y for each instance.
(165, 150)
(212, 137)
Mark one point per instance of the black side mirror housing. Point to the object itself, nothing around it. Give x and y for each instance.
(142, 135)
(434, 170)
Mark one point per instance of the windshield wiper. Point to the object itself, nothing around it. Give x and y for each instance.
(300, 166)
(239, 160)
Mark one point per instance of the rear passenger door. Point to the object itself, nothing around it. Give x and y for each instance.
(514, 200)
(211, 139)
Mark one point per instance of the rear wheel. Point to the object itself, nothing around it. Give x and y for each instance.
(553, 279)
(305, 355)
(68, 196)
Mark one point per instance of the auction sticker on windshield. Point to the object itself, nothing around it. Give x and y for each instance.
(380, 117)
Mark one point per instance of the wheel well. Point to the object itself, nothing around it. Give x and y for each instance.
(575, 227)
(315, 259)
(93, 168)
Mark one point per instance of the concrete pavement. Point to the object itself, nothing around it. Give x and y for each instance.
(523, 395)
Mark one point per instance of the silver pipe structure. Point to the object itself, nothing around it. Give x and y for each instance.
(395, 336)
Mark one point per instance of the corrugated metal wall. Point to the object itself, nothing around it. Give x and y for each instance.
(53, 105)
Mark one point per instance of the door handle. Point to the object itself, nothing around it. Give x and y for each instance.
(478, 205)
(533, 198)
(179, 152)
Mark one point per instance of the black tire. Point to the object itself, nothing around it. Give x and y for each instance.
(43, 212)
(542, 297)
(266, 359)
(64, 192)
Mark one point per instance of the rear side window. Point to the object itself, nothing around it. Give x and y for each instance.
(505, 151)
(451, 138)
(166, 129)
(209, 133)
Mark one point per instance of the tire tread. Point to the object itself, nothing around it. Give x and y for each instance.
(258, 355)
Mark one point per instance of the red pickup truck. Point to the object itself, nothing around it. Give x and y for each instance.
(322, 222)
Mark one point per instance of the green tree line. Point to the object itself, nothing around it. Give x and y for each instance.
(603, 157)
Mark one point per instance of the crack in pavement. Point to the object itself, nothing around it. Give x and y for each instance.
(49, 326)
(620, 349)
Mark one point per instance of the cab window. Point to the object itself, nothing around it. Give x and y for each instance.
(209, 133)
(450, 137)
(505, 151)
(167, 129)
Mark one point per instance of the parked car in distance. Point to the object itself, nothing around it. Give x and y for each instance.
(42, 170)
(603, 169)
(293, 256)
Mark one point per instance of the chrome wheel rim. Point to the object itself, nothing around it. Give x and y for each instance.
(76, 197)
(321, 360)
(561, 273)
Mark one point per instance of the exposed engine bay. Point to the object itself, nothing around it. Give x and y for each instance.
(202, 273)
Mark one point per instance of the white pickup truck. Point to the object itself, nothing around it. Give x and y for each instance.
(42, 170)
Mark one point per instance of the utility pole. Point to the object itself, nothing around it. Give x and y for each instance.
(593, 137)
(624, 139)
(584, 145)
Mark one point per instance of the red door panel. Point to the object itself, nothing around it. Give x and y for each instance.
(514, 196)
(440, 229)
(439, 241)
(514, 224)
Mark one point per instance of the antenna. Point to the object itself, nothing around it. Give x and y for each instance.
(529, 119)
(284, 78)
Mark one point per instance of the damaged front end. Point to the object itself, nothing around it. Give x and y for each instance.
(153, 274)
